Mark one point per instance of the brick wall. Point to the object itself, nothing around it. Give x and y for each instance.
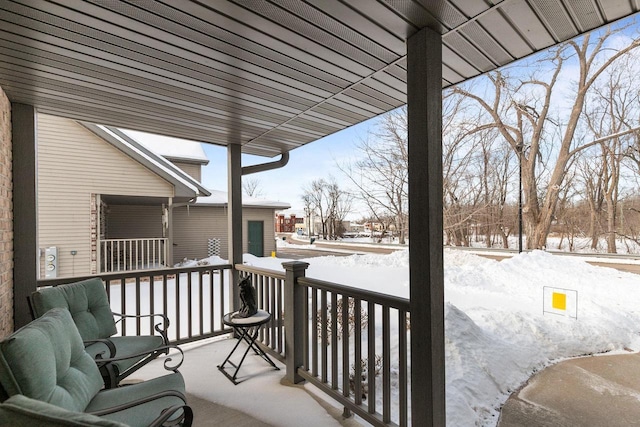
(6, 219)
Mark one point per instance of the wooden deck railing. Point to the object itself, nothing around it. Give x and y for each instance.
(351, 343)
(194, 299)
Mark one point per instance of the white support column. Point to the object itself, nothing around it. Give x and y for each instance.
(424, 89)
(234, 212)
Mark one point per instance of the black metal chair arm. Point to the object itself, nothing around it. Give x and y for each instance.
(161, 328)
(186, 419)
(105, 341)
(163, 349)
(121, 316)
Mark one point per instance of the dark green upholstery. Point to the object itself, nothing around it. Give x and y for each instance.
(88, 303)
(86, 300)
(22, 411)
(46, 361)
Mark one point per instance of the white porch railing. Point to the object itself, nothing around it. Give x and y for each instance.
(132, 254)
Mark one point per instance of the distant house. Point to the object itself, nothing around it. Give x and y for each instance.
(108, 203)
(289, 222)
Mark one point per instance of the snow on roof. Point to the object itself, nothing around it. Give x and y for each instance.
(220, 198)
(172, 148)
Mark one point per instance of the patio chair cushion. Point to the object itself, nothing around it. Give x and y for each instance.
(20, 411)
(86, 300)
(46, 360)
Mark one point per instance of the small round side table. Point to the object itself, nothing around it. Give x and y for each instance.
(246, 329)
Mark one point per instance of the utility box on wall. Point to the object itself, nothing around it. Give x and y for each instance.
(51, 262)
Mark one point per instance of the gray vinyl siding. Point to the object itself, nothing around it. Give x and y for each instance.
(73, 163)
(193, 227)
(134, 222)
(268, 217)
(193, 170)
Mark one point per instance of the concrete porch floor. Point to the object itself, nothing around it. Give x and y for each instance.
(258, 400)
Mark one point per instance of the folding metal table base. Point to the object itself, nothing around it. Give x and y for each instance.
(248, 331)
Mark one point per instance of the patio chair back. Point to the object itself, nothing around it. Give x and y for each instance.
(45, 360)
(87, 302)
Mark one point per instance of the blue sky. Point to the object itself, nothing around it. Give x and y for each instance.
(310, 162)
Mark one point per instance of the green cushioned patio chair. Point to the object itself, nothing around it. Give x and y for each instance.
(88, 303)
(46, 361)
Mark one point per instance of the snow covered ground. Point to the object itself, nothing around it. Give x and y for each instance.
(497, 333)
(554, 243)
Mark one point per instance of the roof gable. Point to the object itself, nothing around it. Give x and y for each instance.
(185, 185)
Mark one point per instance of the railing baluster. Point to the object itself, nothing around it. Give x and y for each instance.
(386, 365)
(261, 302)
(305, 317)
(267, 334)
(201, 302)
(123, 304)
(138, 305)
(152, 298)
(402, 368)
(278, 316)
(371, 357)
(222, 298)
(314, 331)
(272, 307)
(165, 294)
(345, 352)
(357, 350)
(178, 312)
(323, 331)
(334, 340)
(189, 307)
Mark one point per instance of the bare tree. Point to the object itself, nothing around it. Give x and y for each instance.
(590, 173)
(610, 112)
(381, 171)
(521, 111)
(251, 187)
(329, 203)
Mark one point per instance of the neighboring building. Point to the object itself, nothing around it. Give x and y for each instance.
(107, 203)
(203, 223)
(289, 223)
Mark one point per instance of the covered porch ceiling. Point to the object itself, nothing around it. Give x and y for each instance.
(271, 75)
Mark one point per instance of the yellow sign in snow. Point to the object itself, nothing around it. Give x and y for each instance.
(559, 301)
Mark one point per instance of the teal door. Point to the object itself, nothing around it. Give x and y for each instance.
(256, 238)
